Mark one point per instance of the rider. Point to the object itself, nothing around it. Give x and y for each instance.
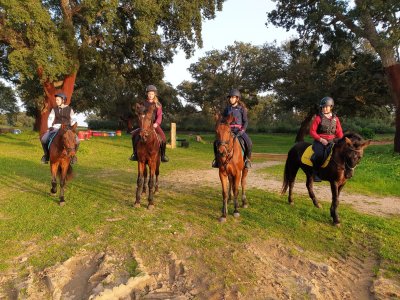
(325, 127)
(60, 115)
(151, 92)
(238, 126)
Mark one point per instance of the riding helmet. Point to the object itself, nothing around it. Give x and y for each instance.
(234, 92)
(62, 96)
(151, 88)
(326, 101)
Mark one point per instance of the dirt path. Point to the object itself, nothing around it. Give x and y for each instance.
(381, 206)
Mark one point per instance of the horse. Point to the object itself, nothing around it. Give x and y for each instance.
(148, 152)
(346, 154)
(62, 149)
(231, 165)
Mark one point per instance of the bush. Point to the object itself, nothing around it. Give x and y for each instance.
(367, 133)
(103, 124)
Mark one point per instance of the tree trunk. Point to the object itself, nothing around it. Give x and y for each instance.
(304, 126)
(50, 101)
(393, 76)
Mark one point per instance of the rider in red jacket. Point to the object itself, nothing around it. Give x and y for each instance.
(324, 128)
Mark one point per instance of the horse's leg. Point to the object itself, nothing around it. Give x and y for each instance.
(235, 184)
(230, 188)
(292, 165)
(144, 180)
(335, 203)
(157, 173)
(139, 182)
(310, 188)
(224, 183)
(152, 167)
(63, 177)
(244, 182)
(53, 169)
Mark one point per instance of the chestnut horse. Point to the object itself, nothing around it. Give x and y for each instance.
(62, 149)
(148, 152)
(231, 165)
(346, 154)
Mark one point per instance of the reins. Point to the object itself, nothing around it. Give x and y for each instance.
(230, 151)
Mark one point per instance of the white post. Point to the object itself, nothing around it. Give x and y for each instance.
(173, 135)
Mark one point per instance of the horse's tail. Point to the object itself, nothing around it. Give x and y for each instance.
(285, 183)
(70, 173)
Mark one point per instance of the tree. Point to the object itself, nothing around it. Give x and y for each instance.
(249, 68)
(8, 102)
(375, 21)
(51, 40)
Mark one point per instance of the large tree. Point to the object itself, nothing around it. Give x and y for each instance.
(249, 68)
(51, 40)
(8, 102)
(376, 21)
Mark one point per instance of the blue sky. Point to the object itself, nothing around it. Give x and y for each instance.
(239, 20)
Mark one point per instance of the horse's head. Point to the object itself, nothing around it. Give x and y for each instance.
(69, 139)
(223, 134)
(145, 120)
(352, 148)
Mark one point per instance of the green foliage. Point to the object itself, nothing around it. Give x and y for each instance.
(102, 124)
(8, 103)
(369, 126)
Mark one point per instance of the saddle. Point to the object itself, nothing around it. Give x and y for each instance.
(306, 157)
(52, 135)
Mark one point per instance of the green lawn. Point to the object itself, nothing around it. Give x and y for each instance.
(32, 224)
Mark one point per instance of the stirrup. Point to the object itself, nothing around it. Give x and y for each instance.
(133, 157)
(214, 164)
(247, 164)
(44, 159)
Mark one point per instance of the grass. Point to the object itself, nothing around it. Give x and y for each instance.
(99, 213)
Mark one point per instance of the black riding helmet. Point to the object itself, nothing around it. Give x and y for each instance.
(326, 101)
(151, 88)
(234, 92)
(62, 96)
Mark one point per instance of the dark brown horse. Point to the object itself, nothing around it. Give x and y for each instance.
(231, 165)
(148, 152)
(346, 154)
(62, 149)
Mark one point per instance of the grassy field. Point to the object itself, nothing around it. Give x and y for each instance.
(99, 212)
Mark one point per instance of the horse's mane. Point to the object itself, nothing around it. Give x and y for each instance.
(355, 138)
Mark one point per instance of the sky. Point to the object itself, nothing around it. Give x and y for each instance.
(239, 20)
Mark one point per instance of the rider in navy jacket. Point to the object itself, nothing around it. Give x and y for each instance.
(238, 125)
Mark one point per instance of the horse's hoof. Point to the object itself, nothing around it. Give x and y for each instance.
(337, 224)
(144, 193)
(291, 203)
(318, 205)
(136, 205)
(222, 220)
(61, 203)
(150, 207)
(245, 206)
(236, 215)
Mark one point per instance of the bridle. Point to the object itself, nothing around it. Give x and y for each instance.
(144, 133)
(67, 149)
(229, 150)
(348, 166)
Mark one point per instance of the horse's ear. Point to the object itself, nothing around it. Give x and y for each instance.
(217, 116)
(365, 144)
(348, 141)
(230, 118)
(74, 126)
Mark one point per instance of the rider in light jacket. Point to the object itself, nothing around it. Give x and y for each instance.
(62, 114)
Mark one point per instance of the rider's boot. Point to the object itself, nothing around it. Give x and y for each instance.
(247, 163)
(45, 157)
(214, 163)
(133, 157)
(316, 175)
(163, 147)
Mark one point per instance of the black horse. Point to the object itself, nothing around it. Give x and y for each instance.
(346, 154)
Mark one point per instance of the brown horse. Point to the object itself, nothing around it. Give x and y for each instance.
(148, 152)
(346, 154)
(231, 165)
(62, 149)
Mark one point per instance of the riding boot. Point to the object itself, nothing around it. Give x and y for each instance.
(247, 160)
(316, 175)
(214, 163)
(163, 147)
(45, 157)
(134, 154)
(74, 159)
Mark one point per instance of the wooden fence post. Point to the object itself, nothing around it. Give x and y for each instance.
(173, 135)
